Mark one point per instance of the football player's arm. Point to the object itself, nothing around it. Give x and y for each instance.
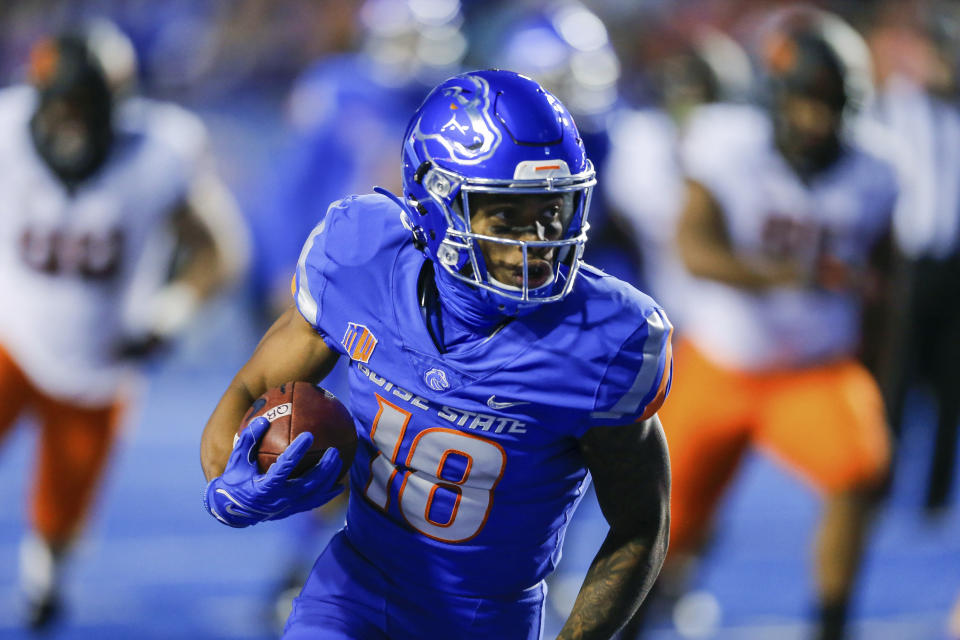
(210, 229)
(212, 250)
(212, 237)
(290, 350)
(631, 473)
(707, 251)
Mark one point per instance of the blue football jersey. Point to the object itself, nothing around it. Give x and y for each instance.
(468, 470)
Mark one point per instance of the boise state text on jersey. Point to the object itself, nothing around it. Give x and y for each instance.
(465, 454)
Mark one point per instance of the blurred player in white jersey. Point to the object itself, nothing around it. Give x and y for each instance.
(100, 190)
(783, 220)
(645, 179)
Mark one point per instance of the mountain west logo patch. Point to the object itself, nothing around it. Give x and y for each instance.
(359, 342)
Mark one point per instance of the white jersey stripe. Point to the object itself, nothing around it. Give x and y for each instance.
(305, 301)
(646, 379)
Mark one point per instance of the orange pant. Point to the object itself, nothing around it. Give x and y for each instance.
(74, 446)
(826, 423)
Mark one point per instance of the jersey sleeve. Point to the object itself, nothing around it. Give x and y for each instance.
(341, 271)
(638, 377)
(314, 268)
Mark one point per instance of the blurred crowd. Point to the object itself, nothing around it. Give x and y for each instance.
(305, 102)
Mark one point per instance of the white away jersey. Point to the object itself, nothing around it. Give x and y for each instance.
(68, 260)
(643, 179)
(768, 211)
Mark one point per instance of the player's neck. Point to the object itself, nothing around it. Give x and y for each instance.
(454, 318)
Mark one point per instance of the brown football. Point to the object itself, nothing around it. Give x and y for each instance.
(297, 407)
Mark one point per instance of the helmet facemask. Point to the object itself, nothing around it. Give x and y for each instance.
(543, 217)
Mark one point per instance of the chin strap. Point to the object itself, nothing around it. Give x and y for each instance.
(430, 307)
(419, 237)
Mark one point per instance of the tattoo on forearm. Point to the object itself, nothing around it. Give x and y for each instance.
(631, 474)
(615, 585)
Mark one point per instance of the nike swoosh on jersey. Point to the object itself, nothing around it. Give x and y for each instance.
(493, 404)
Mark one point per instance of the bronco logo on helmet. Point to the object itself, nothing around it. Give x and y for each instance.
(469, 135)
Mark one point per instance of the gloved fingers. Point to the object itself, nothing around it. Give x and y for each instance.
(244, 445)
(258, 426)
(326, 471)
(331, 461)
(280, 470)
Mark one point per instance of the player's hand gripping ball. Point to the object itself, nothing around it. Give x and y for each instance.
(301, 407)
(292, 448)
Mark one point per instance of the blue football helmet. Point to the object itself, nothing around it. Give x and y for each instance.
(499, 132)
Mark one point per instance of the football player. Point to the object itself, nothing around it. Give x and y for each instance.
(96, 184)
(783, 216)
(644, 177)
(492, 374)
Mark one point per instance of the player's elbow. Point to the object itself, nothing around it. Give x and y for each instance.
(225, 237)
(228, 257)
(212, 458)
(649, 528)
(232, 255)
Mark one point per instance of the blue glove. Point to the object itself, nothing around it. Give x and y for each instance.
(243, 496)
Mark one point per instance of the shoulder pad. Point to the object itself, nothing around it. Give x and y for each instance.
(354, 246)
(165, 123)
(16, 105)
(614, 342)
(719, 135)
